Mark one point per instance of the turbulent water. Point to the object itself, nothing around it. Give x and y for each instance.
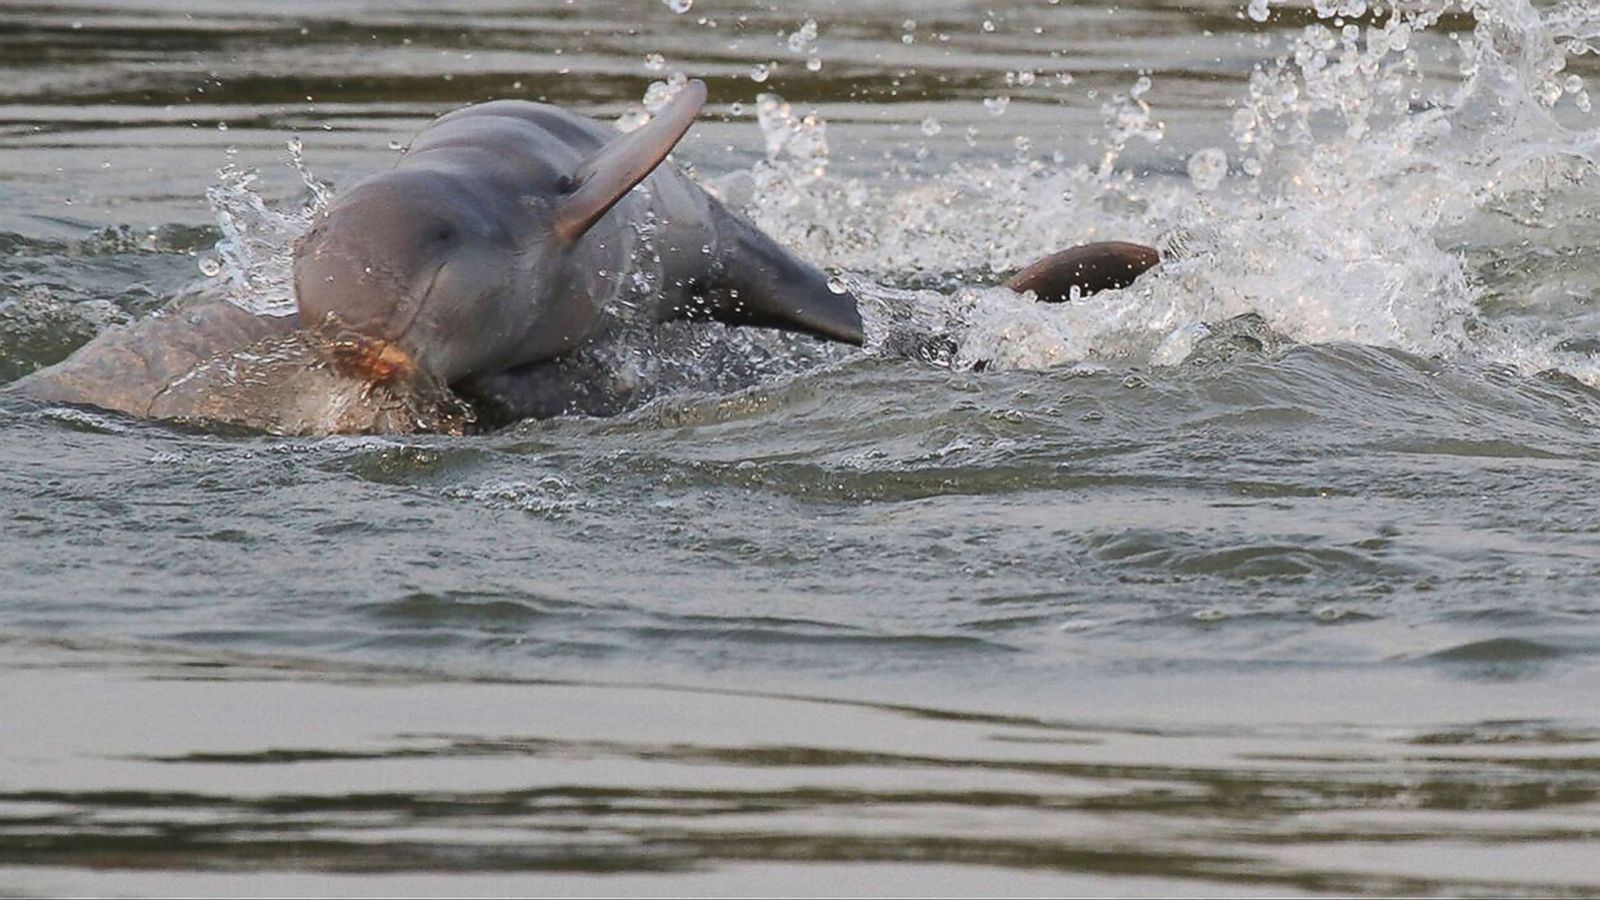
(1275, 572)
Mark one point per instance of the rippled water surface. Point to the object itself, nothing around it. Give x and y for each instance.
(1130, 595)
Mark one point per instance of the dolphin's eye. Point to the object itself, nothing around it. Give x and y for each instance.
(444, 234)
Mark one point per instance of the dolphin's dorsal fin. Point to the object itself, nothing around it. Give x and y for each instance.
(1088, 268)
(611, 173)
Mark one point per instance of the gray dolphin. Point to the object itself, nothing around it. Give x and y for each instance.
(508, 230)
(508, 235)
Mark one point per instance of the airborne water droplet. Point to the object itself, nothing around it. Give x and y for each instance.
(804, 38)
(1208, 167)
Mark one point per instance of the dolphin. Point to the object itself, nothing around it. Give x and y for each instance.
(509, 230)
(453, 290)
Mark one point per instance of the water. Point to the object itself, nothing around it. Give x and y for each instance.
(1122, 596)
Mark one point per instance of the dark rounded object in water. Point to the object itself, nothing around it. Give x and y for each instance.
(1089, 268)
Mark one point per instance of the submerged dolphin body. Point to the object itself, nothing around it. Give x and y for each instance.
(508, 235)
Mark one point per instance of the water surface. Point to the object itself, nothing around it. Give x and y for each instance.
(1115, 597)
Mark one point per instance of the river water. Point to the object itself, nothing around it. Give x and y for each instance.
(1123, 596)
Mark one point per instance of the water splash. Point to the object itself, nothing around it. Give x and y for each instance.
(1365, 198)
(1360, 206)
(256, 253)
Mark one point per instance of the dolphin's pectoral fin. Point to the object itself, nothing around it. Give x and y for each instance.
(1089, 268)
(758, 282)
(612, 172)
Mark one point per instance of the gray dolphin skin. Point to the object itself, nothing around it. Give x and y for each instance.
(509, 228)
(508, 235)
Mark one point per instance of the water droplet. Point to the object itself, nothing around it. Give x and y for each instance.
(679, 6)
(1259, 10)
(209, 267)
(222, 126)
(760, 72)
(1208, 167)
(837, 286)
(996, 105)
(655, 62)
(814, 64)
(931, 126)
(804, 37)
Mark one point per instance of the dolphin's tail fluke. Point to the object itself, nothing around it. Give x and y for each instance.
(760, 283)
(1084, 270)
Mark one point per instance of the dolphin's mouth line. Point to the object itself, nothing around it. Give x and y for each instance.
(416, 311)
(373, 359)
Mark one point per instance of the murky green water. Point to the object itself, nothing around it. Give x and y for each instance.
(1124, 609)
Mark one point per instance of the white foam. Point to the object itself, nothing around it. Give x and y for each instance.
(1360, 183)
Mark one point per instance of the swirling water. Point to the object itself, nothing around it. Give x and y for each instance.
(1121, 596)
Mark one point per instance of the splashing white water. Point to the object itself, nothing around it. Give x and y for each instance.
(1368, 197)
(256, 253)
(1362, 180)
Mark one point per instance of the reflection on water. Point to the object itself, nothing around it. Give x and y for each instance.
(168, 762)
